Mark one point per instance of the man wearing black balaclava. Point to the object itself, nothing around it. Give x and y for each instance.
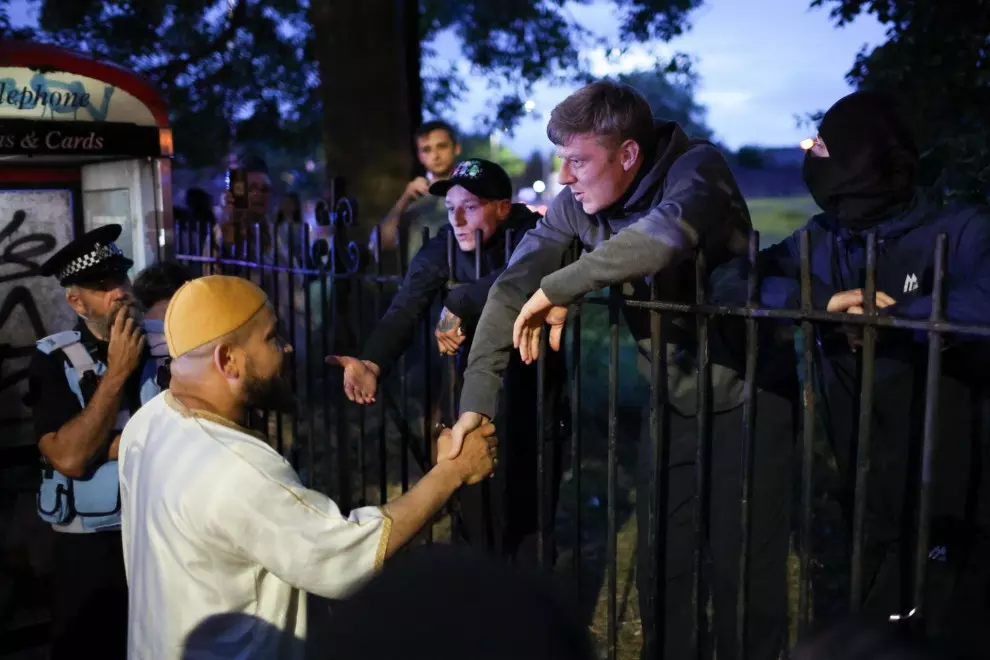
(862, 171)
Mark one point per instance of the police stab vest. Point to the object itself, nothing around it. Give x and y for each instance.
(95, 500)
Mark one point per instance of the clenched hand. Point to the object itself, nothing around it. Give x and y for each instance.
(449, 333)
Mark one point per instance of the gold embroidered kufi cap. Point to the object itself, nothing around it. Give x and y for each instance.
(207, 308)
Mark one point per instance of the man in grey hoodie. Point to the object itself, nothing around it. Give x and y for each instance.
(641, 199)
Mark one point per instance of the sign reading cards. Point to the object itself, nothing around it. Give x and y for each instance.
(77, 138)
(61, 96)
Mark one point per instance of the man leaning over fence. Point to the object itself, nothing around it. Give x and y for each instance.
(641, 197)
(863, 171)
(501, 516)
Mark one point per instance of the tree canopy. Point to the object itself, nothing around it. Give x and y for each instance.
(670, 91)
(936, 63)
(243, 72)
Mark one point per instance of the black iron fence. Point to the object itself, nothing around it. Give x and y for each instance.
(329, 292)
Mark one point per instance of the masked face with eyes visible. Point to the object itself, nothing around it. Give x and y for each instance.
(862, 168)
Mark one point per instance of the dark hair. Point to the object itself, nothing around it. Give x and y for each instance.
(435, 125)
(159, 282)
(610, 110)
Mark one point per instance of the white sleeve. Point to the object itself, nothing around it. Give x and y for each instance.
(297, 534)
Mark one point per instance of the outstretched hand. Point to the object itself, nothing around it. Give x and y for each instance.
(529, 324)
(360, 377)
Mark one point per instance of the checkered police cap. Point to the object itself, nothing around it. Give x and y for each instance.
(89, 258)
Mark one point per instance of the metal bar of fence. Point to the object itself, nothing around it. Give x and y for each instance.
(450, 363)
(575, 316)
(292, 281)
(362, 410)
(279, 435)
(427, 394)
(930, 440)
(382, 429)
(450, 366)
(944, 327)
(748, 451)
(863, 445)
(611, 541)
(338, 343)
(698, 590)
(265, 419)
(808, 438)
(325, 284)
(310, 385)
(657, 523)
(543, 513)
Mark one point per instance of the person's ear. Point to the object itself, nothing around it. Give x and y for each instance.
(75, 301)
(457, 150)
(628, 154)
(228, 361)
(504, 208)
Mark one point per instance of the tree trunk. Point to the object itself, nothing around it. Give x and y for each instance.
(368, 55)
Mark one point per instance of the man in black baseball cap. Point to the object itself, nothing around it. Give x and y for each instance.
(478, 197)
(84, 384)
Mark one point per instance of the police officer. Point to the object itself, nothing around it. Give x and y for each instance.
(84, 385)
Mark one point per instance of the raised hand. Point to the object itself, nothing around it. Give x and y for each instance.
(126, 346)
(360, 377)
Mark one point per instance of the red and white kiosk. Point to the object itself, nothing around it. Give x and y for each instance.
(83, 143)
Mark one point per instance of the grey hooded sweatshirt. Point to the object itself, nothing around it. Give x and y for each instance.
(684, 197)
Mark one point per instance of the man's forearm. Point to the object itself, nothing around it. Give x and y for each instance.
(413, 510)
(72, 448)
(390, 225)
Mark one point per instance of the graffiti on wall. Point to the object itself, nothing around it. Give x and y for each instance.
(33, 226)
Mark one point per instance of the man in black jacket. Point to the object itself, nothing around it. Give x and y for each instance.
(642, 198)
(478, 197)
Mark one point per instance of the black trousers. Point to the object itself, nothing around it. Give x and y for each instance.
(665, 597)
(958, 495)
(90, 596)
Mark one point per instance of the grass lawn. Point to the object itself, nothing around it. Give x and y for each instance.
(776, 218)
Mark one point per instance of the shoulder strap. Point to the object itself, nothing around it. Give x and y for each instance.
(80, 358)
(59, 340)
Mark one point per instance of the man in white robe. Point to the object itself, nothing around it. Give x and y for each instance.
(220, 538)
